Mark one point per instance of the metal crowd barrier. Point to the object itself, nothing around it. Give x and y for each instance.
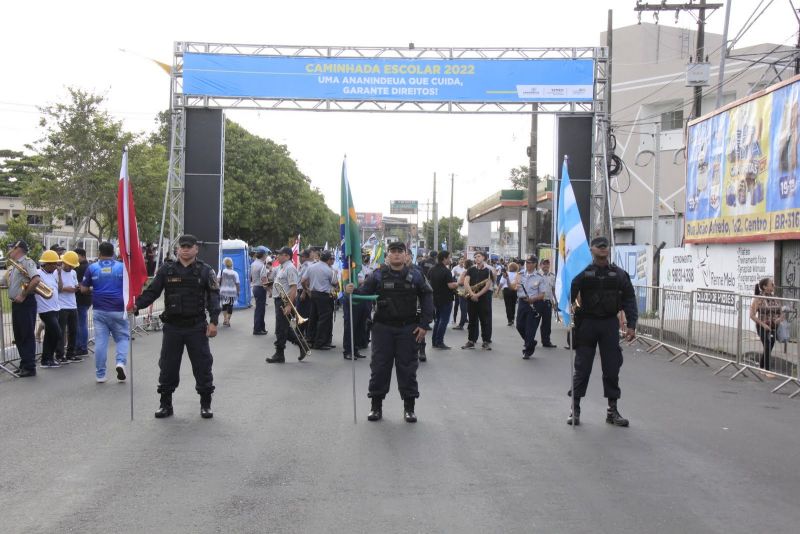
(705, 325)
(147, 321)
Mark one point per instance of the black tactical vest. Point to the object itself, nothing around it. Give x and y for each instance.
(601, 292)
(184, 293)
(397, 297)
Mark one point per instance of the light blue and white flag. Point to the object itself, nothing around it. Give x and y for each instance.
(573, 249)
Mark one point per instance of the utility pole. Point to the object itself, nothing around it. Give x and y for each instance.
(450, 226)
(701, 7)
(701, 44)
(532, 188)
(435, 218)
(724, 53)
(656, 188)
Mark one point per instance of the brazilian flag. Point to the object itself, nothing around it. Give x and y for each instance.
(349, 234)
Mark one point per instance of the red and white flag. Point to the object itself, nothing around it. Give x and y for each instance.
(130, 249)
(296, 251)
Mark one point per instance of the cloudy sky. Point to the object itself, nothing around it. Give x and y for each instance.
(46, 46)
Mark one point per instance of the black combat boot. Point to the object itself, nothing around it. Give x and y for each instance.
(205, 406)
(376, 412)
(278, 357)
(409, 411)
(575, 416)
(166, 406)
(421, 354)
(612, 415)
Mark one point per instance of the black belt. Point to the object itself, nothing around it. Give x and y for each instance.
(322, 293)
(397, 323)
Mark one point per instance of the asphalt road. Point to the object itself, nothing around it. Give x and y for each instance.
(491, 451)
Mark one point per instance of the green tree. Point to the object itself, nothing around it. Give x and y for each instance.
(80, 157)
(267, 199)
(519, 179)
(16, 171)
(444, 228)
(18, 228)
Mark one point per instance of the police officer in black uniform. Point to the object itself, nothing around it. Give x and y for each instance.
(598, 294)
(190, 289)
(396, 329)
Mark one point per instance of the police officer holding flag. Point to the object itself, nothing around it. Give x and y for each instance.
(397, 328)
(597, 294)
(190, 290)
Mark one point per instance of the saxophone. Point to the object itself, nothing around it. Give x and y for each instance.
(41, 289)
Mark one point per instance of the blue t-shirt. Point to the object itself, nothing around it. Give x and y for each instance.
(105, 279)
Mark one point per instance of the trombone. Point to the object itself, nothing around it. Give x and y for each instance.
(295, 320)
(41, 289)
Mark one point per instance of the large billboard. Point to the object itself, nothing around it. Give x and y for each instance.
(403, 207)
(369, 220)
(742, 170)
(389, 79)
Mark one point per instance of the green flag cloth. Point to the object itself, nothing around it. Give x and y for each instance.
(349, 233)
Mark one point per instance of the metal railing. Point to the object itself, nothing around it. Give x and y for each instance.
(711, 325)
(9, 356)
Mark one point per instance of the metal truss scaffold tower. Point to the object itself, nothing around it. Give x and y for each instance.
(172, 219)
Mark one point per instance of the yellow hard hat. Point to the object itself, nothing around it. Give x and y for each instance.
(49, 256)
(70, 258)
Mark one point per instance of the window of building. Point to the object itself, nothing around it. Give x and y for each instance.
(35, 219)
(672, 120)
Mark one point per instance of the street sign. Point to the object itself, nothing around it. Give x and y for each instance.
(403, 207)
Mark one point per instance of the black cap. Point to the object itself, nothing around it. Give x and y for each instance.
(532, 259)
(20, 244)
(396, 245)
(285, 250)
(187, 239)
(325, 256)
(58, 248)
(599, 241)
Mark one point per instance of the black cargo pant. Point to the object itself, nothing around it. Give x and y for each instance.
(594, 332)
(196, 342)
(393, 345)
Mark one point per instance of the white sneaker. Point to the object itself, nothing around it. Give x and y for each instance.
(121, 372)
(101, 379)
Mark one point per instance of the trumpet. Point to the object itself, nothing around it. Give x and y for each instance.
(464, 292)
(295, 321)
(41, 289)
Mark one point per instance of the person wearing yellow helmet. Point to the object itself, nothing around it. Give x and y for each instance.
(68, 314)
(48, 310)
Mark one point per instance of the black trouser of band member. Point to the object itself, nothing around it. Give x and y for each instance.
(303, 306)
(196, 342)
(594, 332)
(52, 335)
(68, 322)
(393, 345)
(480, 313)
(323, 313)
(545, 308)
(510, 300)
(528, 317)
(282, 329)
(23, 322)
(260, 296)
(361, 311)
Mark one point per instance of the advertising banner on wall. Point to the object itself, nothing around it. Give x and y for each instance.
(369, 220)
(389, 79)
(742, 170)
(711, 269)
(637, 260)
